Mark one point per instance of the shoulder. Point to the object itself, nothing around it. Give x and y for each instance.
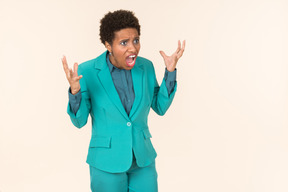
(93, 63)
(145, 63)
(87, 64)
(85, 67)
(143, 60)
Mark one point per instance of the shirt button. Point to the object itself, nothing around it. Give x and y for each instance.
(129, 124)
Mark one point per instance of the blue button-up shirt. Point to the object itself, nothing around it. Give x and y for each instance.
(123, 83)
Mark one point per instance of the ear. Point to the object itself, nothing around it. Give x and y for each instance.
(108, 46)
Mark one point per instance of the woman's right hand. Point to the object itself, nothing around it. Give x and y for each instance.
(72, 76)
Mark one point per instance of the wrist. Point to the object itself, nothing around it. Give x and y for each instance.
(74, 91)
(170, 69)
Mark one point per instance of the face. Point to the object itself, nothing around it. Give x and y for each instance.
(124, 49)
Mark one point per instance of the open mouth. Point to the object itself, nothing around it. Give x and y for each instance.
(130, 60)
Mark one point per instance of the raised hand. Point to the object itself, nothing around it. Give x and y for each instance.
(72, 76)
(171, 61)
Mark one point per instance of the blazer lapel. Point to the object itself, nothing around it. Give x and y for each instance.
(137, 78)
(107, 83)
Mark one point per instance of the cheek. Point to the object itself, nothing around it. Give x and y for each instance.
(138, 47)
(119, 55)
(121, 50)
(118, 52)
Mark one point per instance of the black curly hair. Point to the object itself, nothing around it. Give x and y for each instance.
(115, 21)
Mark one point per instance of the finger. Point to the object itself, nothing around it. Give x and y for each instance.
(184, 43)
(64, 59)
(65, 65)
(179, 47)
(75, 69)
(182, 50)
(66, 68)
(79, 77)
(163, 54)
(70, 74)
(180, 54)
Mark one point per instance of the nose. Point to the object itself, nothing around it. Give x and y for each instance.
(132, 48)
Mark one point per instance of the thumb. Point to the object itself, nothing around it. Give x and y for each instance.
(163, 54)
(79, 77)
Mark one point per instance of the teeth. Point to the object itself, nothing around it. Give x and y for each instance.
(133, 59)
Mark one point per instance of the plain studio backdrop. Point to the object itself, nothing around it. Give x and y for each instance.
(226, 130)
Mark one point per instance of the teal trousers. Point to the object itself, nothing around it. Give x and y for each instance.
(136, 179)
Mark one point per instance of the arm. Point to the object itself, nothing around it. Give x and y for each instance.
(78, 116)
(170, 79)
(163, 95)
(74, 100)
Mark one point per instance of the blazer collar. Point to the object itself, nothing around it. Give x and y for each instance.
(137, 78)
(107, 83)
(100, 61)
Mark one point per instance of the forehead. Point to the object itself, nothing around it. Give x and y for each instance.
(126, 33)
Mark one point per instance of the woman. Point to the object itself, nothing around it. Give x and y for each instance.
(117, 89)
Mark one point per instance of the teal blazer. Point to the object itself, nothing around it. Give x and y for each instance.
(114, 133)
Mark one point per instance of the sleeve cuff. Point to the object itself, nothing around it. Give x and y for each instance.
(170, 79)
(170, 76)
(74, 100)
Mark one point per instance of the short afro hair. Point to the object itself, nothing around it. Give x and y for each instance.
(115, 21)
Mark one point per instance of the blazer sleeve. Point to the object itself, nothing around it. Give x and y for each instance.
(80, 118)
(161, 98)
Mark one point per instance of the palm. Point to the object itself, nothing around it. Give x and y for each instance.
(171, 61)
(72, 76)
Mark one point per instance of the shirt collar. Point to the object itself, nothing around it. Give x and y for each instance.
(110, 65)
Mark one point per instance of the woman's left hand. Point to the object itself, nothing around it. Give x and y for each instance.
(171, 61)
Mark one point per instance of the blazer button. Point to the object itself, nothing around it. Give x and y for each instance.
(128, 124)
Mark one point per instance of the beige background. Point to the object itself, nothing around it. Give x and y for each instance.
(226, 130)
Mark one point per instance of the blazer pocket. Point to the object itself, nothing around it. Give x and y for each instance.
(147, 134)
(100, 142)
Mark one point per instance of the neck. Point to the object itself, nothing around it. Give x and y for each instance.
(113, 61)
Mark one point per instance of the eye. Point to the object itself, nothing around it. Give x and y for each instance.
(124, 43)
(136, 41)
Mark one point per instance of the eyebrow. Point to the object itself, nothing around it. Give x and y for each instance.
(124, 40)
(138, 37)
